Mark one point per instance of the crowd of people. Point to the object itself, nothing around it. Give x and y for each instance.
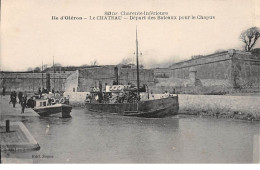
(121, 97)
(46, 91)
(22, 97)
(103, 97)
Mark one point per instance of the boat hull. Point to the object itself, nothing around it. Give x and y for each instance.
(150, 108)
(62, 109)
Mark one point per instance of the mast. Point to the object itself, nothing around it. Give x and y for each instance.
(53, 74)
(60, 88)
(137, 65)
(33, 80)
(42, 75)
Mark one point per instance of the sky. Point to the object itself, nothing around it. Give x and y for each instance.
(29, 36)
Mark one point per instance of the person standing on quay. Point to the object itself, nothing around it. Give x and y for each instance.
(13, 98)
(23, 103)
(3, 91)
(20, 95)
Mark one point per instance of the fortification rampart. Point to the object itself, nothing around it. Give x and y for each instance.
(106, 75)
(30, 82)
(71, 83)
(230, 69)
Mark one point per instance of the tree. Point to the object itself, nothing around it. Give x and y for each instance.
(37, 70)
(29, 69)
(94, 63)
(249, 37)
(57, 65)
(127, 60)
(45, 66)
(219, 51)
(84, 65)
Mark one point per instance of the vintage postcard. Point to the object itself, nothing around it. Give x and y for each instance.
(130, 81)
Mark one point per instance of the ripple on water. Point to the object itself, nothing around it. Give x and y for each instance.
(102, 138)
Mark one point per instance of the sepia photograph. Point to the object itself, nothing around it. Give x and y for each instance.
(130, 82)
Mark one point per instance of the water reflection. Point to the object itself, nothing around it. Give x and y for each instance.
(90, 137)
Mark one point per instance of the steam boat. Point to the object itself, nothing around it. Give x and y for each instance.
(128, 100)
(48, 103)
(120, 104)
(46, 106)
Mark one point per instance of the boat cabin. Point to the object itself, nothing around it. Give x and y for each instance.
(41, 102)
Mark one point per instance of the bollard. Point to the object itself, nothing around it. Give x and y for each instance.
(7, 125)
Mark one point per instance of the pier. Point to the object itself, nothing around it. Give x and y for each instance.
(14, 135)
(8, 111)
(17, 138)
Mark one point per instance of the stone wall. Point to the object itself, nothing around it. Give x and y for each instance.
(71, 83)
(30, 82)
(246, 71)
(220, 104)
(177, 82)
(81, 80)
(162, 72)
(91, 77)
(76, 98)
(127, 75)
(215, 66)
(229, 69)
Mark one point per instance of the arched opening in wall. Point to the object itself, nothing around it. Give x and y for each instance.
(74, 89)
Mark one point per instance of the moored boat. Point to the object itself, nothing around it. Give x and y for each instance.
(126, 100)
(45, 107)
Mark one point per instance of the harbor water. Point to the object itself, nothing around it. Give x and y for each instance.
(90, 137)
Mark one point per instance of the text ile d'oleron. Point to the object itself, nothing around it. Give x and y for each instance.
(135, 16)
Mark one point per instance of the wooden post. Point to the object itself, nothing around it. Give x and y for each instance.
(7, 125)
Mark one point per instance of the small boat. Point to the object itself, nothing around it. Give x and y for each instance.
(44, 107)
(126, 100)
(46, 103)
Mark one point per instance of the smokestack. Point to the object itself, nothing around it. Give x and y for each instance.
(116, 74)
(48, 82)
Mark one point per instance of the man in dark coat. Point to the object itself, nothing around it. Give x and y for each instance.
(30, 102)
(13, 98)
(11, 95)
(23, 102)
(40, 92)
(20, 95)
(3, 91)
